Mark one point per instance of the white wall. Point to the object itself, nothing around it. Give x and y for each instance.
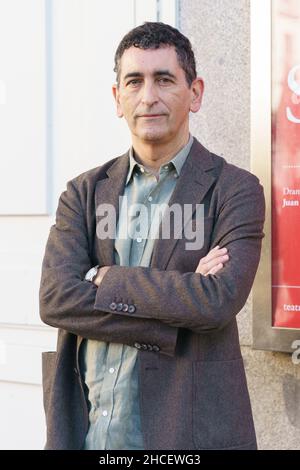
(57, 120)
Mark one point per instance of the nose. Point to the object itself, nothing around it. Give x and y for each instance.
(149, 94)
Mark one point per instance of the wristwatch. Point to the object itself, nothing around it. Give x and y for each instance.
(92, 273)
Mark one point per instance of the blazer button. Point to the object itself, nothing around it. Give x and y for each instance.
(125, 308)
(119, 307)
(131, 308)
(113, 306)
(137, 345)
(155, 348)
(144, 346)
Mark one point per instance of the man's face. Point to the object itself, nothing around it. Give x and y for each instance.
(153, 94)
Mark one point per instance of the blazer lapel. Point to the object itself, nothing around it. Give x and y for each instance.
(107, 191)
(192, 185)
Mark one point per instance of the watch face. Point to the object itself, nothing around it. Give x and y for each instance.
(91, 274)
(94, 274)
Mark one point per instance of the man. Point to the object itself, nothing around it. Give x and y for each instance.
(148, 355)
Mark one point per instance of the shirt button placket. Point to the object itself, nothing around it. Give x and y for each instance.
(113, 363)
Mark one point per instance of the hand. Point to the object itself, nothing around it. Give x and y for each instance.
(213, 261)
(101, 273)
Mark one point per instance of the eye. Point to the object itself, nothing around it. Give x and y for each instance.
(164, 80)
(134, 82)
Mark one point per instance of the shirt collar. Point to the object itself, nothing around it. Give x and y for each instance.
(177, 161)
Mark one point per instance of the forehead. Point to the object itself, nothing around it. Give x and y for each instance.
(146, 61)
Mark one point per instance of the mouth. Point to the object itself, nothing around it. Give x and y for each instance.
(151, 116)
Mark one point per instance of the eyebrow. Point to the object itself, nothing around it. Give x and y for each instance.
(155, 74)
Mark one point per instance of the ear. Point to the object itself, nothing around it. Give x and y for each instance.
(197, 89)
(116, 95)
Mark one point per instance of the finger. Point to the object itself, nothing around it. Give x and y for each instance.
(214, 253)
(215, 269)
(214, 262)
(206, 268)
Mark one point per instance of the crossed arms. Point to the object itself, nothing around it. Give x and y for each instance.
(164, 300)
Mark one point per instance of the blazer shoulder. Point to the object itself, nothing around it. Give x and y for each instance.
(231, 173)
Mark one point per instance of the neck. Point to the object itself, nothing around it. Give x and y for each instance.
(153, 155)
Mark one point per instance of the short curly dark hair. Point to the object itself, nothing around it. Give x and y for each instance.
(152, 35)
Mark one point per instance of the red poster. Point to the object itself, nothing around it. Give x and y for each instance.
(286, 163)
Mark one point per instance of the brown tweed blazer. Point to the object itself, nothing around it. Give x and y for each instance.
(193, 389)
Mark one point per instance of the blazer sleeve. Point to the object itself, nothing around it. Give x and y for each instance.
(67, 301)
(190, 300)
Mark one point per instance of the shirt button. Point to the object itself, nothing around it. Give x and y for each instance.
(166, 167)
(104, 413)
(139, 240)
(142, 169)
(150, 198)
(111, 370)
